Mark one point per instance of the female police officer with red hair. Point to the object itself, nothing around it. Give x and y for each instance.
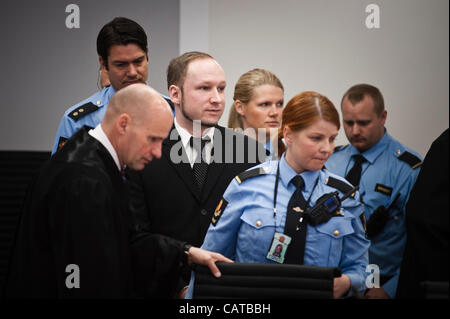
(264, 207)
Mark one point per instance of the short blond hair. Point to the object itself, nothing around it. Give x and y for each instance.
(244, 89)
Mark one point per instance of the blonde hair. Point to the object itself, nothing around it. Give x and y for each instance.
(177, 69)
(244, 88)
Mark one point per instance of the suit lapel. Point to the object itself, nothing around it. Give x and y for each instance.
(172, 147)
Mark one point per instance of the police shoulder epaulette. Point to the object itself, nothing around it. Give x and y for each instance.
(252, 173)
(338, 184)
(83, 110)
(338, 148)
(411, 159)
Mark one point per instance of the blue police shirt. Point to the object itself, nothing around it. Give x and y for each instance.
(88, 112)
(383, 176)
(246, 227)
(76, 116)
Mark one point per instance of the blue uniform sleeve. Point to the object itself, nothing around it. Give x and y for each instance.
(65, 131)
(221, 236)
(404, 188)
(355, 256)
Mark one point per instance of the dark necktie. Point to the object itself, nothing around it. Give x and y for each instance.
(200, 167)
(123, 174)
(354, 175)
(296, 224)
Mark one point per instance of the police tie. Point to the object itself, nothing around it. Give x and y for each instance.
(296, 224)
(354, 175)
(200, 167)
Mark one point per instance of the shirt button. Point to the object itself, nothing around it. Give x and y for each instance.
(203, 212)
(98, 102)
(258, 223)
(336, 233)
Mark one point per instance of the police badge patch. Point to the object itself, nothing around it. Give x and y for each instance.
(218, 211)
(62, 140)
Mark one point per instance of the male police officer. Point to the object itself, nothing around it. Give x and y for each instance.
(385, 171)
(123, 56)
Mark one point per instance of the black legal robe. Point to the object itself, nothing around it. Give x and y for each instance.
(77, 214)
(427, 224)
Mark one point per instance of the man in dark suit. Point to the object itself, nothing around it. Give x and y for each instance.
(426, 261)
(176, 195)
(76, 236)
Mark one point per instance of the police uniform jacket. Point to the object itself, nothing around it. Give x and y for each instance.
(89, 112)
(243, 226)
(77, 214)
(390, 170)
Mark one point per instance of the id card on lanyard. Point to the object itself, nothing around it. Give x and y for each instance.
(280, 241)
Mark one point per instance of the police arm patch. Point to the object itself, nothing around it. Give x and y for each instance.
(218, 211)
(62, 140)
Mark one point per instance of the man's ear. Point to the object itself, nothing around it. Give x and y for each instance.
(383, 117)
(103, 64)
(123, 123)
(240, 107)
(175, 94)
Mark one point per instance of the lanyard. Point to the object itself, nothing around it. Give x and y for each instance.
(275, 193)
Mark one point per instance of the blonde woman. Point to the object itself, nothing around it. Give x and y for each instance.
(258, 103)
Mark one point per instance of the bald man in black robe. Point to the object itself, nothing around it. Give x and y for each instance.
(76, 237)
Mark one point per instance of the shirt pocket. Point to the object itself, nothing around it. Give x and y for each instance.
(324, 243)
(255, 234)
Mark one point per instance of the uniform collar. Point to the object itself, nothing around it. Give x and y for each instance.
(105, 95)
(372, 154)
(287, 173)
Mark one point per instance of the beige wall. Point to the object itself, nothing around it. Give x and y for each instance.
(324, 45)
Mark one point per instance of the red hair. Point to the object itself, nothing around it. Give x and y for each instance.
(303, 110)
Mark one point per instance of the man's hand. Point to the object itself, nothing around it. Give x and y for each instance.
(207, 258)
(340, 286)
(376, 293)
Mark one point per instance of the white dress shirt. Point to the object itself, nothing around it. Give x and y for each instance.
(190, 151)
(100, 136)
